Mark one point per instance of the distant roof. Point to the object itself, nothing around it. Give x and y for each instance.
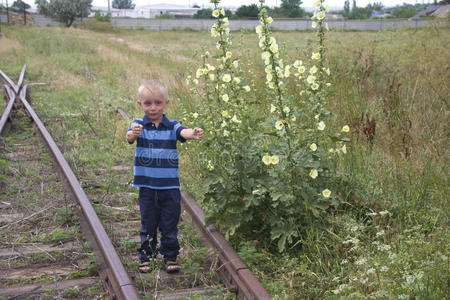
(163, 6)
(429, 10)
(442, 12)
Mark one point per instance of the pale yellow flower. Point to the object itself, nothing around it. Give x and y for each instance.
(315, 55)
(235, 63)
(346, 128)
(228, 54)
(255, 192)
(214, 33)
(320, 15)
(224, 123)
(274, 159)
(316, 117)
(272, 108)
(199, 73)
(286, 109)
(195, 115)
(268, 69)
(311, 79)
(344, 149)
(226, 133)
(259, 29)
(269, 20)
(279, 124)
(236, 120)
(237, 80)
(313, 174)
(269, 76)
(327, 71)
(271, 85)
(216, 13)
(326, 193)
(222, 11)
(313, 70)
(317, 4)
(297, 63)
(225, 97)
(287, 71)
(314, 24)
(266, 160)
(225, 114)
(225, 21)
(211, 77)
(274, 48)
(210, 166)
(314, 86)
(301, 69)
(246, 88)
(321, 125)
(195, 81)
(313, 147)
(226, 78)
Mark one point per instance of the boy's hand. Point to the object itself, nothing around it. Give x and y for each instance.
(134, 133)
(137, 130)
(197, 134)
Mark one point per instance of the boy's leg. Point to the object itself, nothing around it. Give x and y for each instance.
(169, 201)
(149, 209)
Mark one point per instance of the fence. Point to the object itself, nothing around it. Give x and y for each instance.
(205, 24)
(279, 24)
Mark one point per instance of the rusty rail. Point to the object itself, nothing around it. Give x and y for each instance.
(113, 273)
(5, 122)
(233, 271)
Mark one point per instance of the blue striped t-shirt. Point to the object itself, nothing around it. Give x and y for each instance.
(156, 157)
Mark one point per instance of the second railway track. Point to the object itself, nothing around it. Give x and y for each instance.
(53, 244)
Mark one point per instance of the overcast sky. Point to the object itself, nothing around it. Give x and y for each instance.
(306, 3)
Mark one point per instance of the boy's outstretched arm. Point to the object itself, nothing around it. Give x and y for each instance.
(192, 134)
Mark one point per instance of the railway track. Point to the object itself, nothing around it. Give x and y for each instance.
(53, 244)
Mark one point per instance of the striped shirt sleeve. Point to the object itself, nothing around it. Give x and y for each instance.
(177, 127)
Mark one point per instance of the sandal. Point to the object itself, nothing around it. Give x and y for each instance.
(145, 267)
(171, 265)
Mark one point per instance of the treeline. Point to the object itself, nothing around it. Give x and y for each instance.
(293, 9)
(288, 9)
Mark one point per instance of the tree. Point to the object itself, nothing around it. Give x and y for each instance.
(205, 13)
(292, 8)
(65, 11)
(247, 11)
(347, 6)
(20, 5)
(354, 5)
(123, 4)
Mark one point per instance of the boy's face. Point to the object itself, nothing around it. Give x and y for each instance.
(153, 104)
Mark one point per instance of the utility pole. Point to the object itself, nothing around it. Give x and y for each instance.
(7, 12)
(109, 7)
(1, 11)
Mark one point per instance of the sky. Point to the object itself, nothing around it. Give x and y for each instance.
(237, 3)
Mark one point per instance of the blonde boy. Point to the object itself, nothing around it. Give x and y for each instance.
(156, 174)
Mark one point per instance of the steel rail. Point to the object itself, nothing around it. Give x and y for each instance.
(9, 82)
(5, 116)
(116, 274)
(233, 271)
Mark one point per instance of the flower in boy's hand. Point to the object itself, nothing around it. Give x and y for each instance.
(198, 133)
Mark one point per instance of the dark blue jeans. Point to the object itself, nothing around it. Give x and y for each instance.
(159, 208)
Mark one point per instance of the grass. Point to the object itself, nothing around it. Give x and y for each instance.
(392, 81)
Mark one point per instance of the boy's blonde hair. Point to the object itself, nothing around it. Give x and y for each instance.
(153, 85)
